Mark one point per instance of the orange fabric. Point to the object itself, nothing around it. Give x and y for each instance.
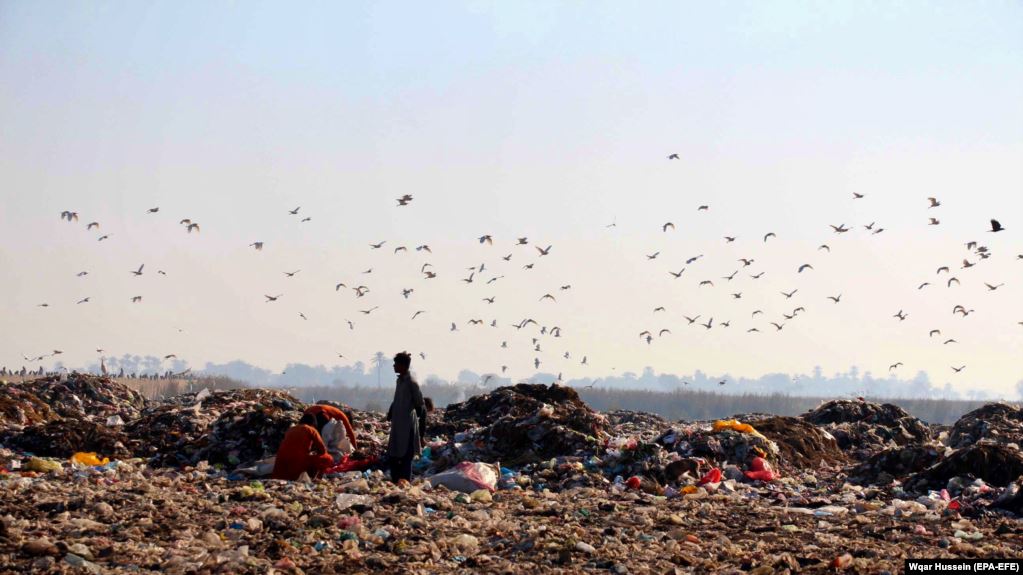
(301, 450)
(332, 412)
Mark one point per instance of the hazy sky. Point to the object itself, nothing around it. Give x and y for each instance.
(546, 120)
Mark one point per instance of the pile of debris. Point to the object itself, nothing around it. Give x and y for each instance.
(896, 463)
(230, 428)
(63, 438)
(995, 421)
(75, 395)
(996, 464)
(801, 445)
(864, 428)
(524, 423)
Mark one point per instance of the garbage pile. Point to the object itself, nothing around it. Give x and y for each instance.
(74, 395)
(801, 445)
(524, 423)
(897, 463)
(995, 421)
(863, 428)
(62, 438)
(229, 428)
(996, 464)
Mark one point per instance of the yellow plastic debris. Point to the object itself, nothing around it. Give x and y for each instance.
(690, 489)
(89, 458)
(735, 425)
(43, 465)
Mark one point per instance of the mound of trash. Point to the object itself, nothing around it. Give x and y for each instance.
(995, 463)
(65, 437)
(897, 463)
(800, 444)
(864, 428)
(74, 395)
(995, 421)
(229, 428)
(525, 422)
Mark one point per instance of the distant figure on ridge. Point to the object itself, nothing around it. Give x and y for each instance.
(407, 415)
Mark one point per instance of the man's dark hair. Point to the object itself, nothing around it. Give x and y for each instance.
(403, 359)
(308, 419)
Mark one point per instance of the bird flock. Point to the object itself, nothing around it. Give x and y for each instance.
(546, 338)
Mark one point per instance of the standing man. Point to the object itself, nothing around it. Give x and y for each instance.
(407, 415)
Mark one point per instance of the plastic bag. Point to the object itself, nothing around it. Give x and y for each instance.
(468, 476)
(712, 476)
(43, 465)
(735, 425)
(89, 458)
(760, 470)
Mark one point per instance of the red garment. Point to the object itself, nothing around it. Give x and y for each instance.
(301, 450)
(331, 412)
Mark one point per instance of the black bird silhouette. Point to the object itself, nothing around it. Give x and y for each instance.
(995, 226)
(270, 298)
(655, 254)
(834, 298)
(294, 212)
(543, 251)
(677, 275)
(790, 294)
(894, 365)
(991, 287)
(958, 369)
(934, 202)
(803, 267)
(673, 157)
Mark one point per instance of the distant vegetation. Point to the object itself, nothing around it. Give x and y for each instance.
(684, 405)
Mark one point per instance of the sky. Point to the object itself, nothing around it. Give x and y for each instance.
(545, 120)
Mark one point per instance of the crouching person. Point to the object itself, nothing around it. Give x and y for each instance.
(302, 451)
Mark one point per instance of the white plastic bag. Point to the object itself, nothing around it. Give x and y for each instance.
(468, 476)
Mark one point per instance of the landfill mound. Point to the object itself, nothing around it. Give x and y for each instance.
(896, 463)
(801, 445)
(74, 395)
(249, 426)
(64, 437)
(995, 421)
(864, 428)
(995, 463)
(166, 432)
(636, 423)
(525, 422)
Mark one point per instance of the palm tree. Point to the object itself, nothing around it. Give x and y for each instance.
(379, 359)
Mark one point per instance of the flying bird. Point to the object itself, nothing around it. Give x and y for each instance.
(136, 299)
(486, 239)
(257, 245)
(894, 365)
(654, 255)
(468, 280)
(294, 212)
(901, 316)
(993, 288)
(400, 248)
(193, 226)
(673, 156)
(923, 285)
(857, 196)
(995, 226)
(934, 332)
(948, 341)
(777, 326)
(942, 269)
(153, 210)
(92, 225)
(958, 369)
(291, 274)
(835, 298)
(934, 202)
(404, 200)
(769, 235)
(101, 238)
(270, 298)
(691, 320)
(839, 229)
(692, 259)
(138, 272)
(543, 251)
(745, 262)
(677, 275)
(665, 227)
(729, 239)
(707, 282)
(548, 296)
(84, 300)
(790, 294)
(302, 315)
(82, 274)
(934, 222)
(424, 247)
(803, 267)
(69, 216)
(370, 310)
(703, 208)
(950, 280)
